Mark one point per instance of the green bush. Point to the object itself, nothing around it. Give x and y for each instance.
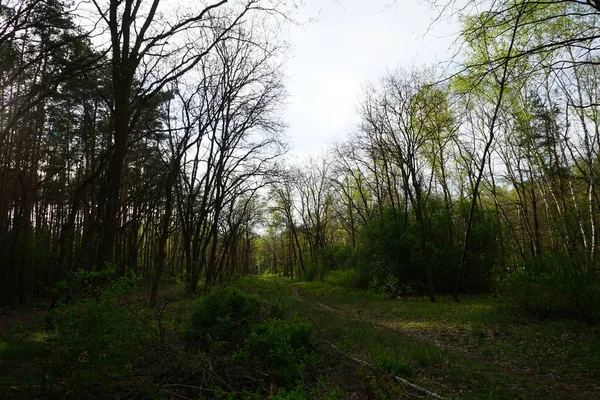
(223, 318)
(314, 271)
(281, 348)
(349, 278)
(99, 339)
(336, 257)
(484, 250)
(332, 258)
(394, 366)
(238, 329)
(388, 254)
(547, 286)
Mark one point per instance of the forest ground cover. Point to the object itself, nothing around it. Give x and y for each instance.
(477, 348)
(299, 343)
(228, 344)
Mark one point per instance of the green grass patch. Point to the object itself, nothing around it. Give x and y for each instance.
(255, 340)
(476, 348)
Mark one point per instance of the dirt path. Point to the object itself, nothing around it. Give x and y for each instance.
(559, 386)
(388, 324)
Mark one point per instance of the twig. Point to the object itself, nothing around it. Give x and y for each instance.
(177, 395)
(401, 380)
(187, 386)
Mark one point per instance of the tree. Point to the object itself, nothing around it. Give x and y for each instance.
(315, 204)
(45, 59)
(154, 52)
(540, 28)
(284, 196)
(405, 121)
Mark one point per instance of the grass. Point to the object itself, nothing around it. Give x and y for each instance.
(471, 309)
(22, 355)
(428, 366)
(478, 348)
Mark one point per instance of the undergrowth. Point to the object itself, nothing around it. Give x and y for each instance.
(255, 340)
(231, 343)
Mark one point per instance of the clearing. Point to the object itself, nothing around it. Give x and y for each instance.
(475, 349)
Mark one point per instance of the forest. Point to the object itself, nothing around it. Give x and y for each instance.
(156, 241)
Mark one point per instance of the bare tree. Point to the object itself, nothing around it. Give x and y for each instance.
(403, 120)
(148, 51)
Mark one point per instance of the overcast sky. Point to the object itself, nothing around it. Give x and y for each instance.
(349, 43)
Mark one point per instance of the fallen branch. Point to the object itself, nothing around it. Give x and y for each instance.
(401, 380)
(187, 386)
(176, 395)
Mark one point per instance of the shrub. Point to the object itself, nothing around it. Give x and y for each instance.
(336, 257)
(394, 366)
(332, 258)
(99, 339)
(349, 278)
(387, 255)
(544, 291)
(237, 330)
(223, 317)
(314, 271)
(282, 348)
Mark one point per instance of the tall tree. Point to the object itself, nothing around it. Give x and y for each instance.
(147, 47)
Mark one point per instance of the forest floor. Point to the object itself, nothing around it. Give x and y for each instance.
(31, 315)
(478, 348)
(25, 316)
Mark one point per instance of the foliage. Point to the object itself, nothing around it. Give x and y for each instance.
(483, 254)
(27, 254)
(547, 287)
(94, 283)
(336, 256)
(100, 339)
(348, 278)
(388, 256)
(314, 271)
(230, 322)
(111, 169)
(331, 258)
(282, 348)
(223, 318)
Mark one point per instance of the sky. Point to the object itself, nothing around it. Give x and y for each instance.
(347, 44)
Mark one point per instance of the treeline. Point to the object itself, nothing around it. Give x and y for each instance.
(134, 141)
(478, 181)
